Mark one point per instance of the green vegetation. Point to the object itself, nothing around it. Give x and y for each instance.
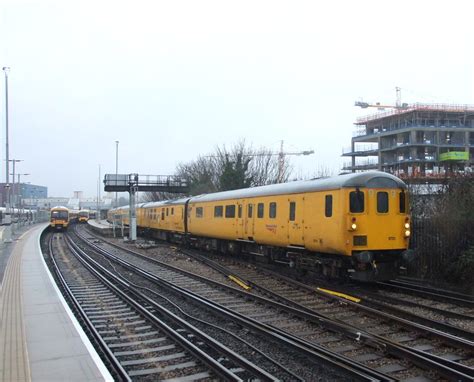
(444, 232)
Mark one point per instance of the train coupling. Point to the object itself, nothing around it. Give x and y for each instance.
(408, 255)
(364, 257)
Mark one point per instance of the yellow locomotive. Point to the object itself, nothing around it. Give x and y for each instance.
(59, 217)
(354, 225)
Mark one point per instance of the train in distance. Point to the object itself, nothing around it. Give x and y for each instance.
(59, 218)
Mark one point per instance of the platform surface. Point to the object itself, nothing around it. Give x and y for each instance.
(40, 340)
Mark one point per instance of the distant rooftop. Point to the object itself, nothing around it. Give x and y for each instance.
(457, 108)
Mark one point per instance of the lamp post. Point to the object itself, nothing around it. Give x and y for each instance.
(116, 170)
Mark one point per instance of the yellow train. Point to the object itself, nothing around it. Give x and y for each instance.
(83, 216)
(59, 217)
(354, 225)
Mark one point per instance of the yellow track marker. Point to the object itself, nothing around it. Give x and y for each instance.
(338, 294)
(239, 282)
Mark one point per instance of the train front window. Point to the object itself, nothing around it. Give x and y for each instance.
(356, 201)
(382, 202)
(59, 215)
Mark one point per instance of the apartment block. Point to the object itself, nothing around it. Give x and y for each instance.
(415, 140)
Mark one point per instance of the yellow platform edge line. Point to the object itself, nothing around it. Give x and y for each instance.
(239, 282)
(338, 294)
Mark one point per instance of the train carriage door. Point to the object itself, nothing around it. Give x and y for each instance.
(249, 220)
(239, 218)
(295, 221)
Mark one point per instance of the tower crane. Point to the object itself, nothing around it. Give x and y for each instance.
(399, 105)
(281, 159)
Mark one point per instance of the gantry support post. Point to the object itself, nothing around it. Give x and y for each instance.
(132, 228)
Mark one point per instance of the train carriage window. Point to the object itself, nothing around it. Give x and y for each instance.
(273, 210)
(328, 206)
(356, 201)
(250, 210)
(260, 210)
(199, 213)
(230, 211)
(162, 214)
(403, 202)
(382, 202)
(167, 212)
(292, 211)
(239, 213)
(218, 211)
(172, 211)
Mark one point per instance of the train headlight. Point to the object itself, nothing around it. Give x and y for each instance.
(407, 233)
(407, 225)
(353, 226)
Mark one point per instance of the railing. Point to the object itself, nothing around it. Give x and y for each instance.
(461, 108)
(363, 132)
(361, 165)
(360, 149)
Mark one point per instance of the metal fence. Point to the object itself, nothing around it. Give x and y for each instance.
(438, 245)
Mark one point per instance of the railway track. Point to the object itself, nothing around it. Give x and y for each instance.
(139, 339)
(305, 297)
(337, 339)
(453, 301)
(450, 318)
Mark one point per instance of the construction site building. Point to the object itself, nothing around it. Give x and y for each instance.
(425, 141)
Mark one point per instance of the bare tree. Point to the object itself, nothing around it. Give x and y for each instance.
(225, 169)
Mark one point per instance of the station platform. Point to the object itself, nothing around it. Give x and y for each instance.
(40, 338)
(104, 228)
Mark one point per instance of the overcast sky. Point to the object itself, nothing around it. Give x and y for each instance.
(173, 79)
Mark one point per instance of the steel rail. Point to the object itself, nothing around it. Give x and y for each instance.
(396, 348)
(437, 294)
(448, 370)
(223, 372)
(371, 300)
(107, 353)
(427, 361)
(343, 363)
